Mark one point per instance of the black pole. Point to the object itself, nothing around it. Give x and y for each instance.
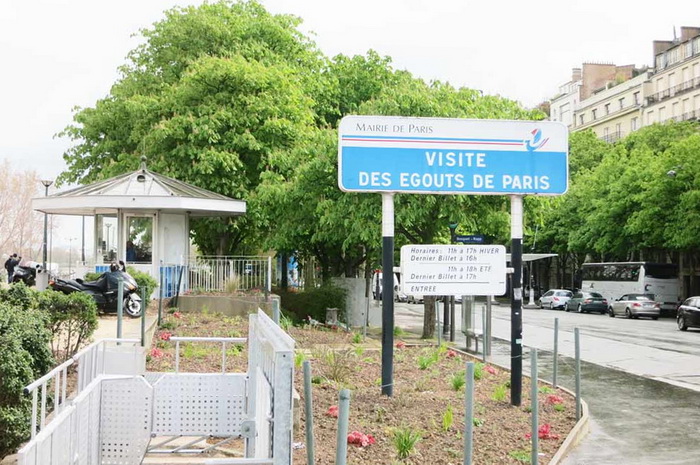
(446, 315)
(388, 294)
(387, 315)
(516, 325)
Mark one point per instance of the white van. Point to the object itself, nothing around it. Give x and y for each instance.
(377, 285)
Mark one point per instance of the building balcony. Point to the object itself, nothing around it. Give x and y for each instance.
(673, 91)
(612, 137)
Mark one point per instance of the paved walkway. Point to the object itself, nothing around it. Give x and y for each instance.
(131, 327)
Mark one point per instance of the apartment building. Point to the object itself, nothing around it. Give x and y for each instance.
(613, 101)
(673, 92)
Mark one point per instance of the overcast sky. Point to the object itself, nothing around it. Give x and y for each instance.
(57, 54)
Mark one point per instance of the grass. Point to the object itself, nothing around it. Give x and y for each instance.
(405, 440)
(458, 381)
(499, 394)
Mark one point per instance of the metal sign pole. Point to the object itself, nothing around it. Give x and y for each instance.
(387, 294)
(516, 308)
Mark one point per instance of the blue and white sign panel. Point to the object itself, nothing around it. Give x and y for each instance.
(452, 156)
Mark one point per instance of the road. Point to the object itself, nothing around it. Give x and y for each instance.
(641, 379)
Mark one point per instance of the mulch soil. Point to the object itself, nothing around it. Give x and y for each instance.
(424, 395)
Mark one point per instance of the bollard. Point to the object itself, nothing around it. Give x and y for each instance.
(276, 310)
(534, 405)
(483, 334)
(308, 410)
(341, 451)
(144, 305)
(578, 373)
(160, 296)
(556, 353)
(120, 306)
(469, 414)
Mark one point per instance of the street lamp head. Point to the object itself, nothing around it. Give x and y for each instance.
(47, 182)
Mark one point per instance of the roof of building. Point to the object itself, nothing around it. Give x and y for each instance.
(139, 190)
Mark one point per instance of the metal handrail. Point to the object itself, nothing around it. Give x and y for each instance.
(223, 340)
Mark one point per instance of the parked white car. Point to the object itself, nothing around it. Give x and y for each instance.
(555, 298)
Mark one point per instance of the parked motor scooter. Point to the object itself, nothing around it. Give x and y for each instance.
(26, 273)
(104, 290)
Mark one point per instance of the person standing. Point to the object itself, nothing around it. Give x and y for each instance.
(10, 266)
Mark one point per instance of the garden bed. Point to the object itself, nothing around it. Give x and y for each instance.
(427, 401)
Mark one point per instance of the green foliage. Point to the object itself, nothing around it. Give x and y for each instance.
(72, 316)
(478, 371)
(314, 302)
(405, 440)
(19, 296)
(447, 418)
(357, 338)
(458, 381)
(500, 392)
(425, 361)
(143, 280)
(559, 407)
(285, 322)
(335, 365)
(25, 356)
(477, 422)
(299, 358)
(398, 332)
(520, 455)
(545, 390)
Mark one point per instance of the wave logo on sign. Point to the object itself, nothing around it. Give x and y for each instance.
(535, 141)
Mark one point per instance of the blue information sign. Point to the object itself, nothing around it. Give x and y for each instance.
(470, 239)
(452, 156)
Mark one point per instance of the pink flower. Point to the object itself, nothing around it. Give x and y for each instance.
(554, 399)
(451, 353)
(544, 432)
(332, 411)
(490, 369)
(156, 352)
(165, 336)
(400, 345)
(177, 315)
(361, 439)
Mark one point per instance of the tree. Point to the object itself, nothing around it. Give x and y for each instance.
(209, 97)
(21, 228)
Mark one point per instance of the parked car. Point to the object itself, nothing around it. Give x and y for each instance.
(587, 302)
(688, 314)
(634, 306)
(555, 298)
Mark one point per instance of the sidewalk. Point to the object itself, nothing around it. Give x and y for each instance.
(131, 327)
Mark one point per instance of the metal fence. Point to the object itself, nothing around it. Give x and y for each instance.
(218, 274)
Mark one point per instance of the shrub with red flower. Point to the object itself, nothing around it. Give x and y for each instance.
(165, 336)
(544, 432)
(490, 369)
(554, 399)
(451, 353)
(400, 345)
(361, 439)
(156, 352)
(177, 315)
(332, 411)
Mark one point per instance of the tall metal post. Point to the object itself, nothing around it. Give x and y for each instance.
(120, 306)
(388, 294)
(555, 361)
(160, 291)
(469, 414)
(46, 183)
(341, 451)
(309, 413)
(516, 308)
(144, 306)
(533, 406)
(577, 354)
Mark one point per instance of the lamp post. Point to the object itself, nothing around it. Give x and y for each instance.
(46, 183)
(70, 255)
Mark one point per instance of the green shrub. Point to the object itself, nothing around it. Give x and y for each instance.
(72, 316)
(314, 302)
(19, 296)
(405, 440)
(25, 356)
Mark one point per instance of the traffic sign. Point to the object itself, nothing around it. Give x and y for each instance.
(438, 269)
(470, 239)
(452, 156)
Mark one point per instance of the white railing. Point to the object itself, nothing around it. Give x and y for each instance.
(91, 363)
(222, 340)
(209, 273)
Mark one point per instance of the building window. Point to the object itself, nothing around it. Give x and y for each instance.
(106, 238)
(622, 103)
(139, 244)
(633, 124)
(636, 98)
(607, 108)
(580, 119)
(594, 114)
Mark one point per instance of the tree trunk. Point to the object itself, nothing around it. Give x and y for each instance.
(428, 317)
